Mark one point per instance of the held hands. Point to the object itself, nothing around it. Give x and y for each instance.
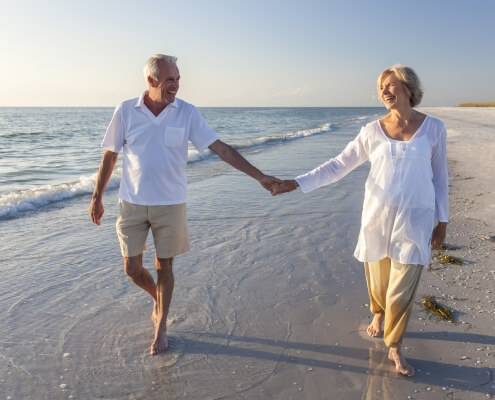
(277, 186)
(285, 186)
(269, 182)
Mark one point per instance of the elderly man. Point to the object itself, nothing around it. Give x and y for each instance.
(153, 131)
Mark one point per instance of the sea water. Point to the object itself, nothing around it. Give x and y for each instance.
(50, 155)
(263, 274)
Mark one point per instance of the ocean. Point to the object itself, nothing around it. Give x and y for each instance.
(51, 155)
(263, 272)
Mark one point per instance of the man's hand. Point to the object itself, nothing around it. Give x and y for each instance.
(269, 182)
(438, 235)
(284, 187)
(96, 211)
(107, 165)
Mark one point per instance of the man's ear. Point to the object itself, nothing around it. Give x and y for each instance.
(151, 81)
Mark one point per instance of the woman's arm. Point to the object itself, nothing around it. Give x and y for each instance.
(441, 186)
(441, 177)
(354, 154)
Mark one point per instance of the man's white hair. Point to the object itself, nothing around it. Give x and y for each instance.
(151, 68)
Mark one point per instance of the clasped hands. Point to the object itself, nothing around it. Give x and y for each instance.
(278, 186)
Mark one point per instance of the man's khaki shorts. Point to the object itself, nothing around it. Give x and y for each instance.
(168, 225)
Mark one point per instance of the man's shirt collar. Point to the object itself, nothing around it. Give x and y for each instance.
(140, 101)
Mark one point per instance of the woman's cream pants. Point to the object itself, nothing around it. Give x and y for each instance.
(392, 287)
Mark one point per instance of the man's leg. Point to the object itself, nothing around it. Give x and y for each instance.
(133, 267)
(171, 237)
(132, 229)
(164, 289)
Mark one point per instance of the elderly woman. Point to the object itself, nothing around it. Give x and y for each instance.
(405, 210)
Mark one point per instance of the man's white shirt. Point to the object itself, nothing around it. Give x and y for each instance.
(155, 149)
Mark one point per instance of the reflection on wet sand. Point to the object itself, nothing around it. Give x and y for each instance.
(383, 382)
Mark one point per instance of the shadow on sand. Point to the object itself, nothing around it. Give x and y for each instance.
(380, 371)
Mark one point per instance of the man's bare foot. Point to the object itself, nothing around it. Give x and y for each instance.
(401, 365)
(160, 343)
(375, 328)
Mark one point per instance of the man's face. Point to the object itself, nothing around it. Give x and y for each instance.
(167, 85)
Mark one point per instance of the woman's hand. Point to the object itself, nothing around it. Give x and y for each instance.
(438, 235)
(286, 186)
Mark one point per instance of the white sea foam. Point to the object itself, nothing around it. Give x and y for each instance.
(254, 143)
(12, 204)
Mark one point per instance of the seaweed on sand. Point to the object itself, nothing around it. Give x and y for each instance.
(431, 305)
(446, 259)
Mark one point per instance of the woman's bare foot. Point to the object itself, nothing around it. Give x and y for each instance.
(401, 365)
(160, 343)
(375, 328)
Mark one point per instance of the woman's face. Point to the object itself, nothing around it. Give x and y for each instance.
(393, 93)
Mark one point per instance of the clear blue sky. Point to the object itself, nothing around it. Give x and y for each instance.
(244, 53)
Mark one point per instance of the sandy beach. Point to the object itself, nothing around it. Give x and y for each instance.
(269, 304)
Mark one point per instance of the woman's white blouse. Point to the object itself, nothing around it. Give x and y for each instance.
(405, 194)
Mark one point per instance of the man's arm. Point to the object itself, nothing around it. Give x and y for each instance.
(233, 157)
(107, 165)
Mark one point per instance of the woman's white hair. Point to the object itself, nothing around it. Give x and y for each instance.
(408, 78)
(151, 67)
